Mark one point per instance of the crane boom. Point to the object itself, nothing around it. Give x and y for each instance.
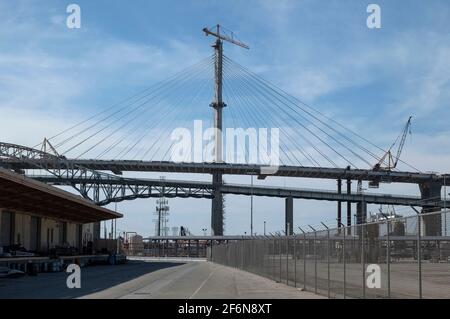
(403, 139)
(224, 37)
(391, 160)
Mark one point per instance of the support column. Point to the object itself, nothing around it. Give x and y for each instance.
(96, 231)
(361, 212)
(432, 224)
(217, 206)
(289, 216)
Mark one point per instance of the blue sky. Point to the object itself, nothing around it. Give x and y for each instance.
(320, 51)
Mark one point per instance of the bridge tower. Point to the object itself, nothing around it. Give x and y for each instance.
(217, 105)
(217, 204)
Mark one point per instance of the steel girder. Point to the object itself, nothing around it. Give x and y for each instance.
(128, 189)
(117, 167)
(105, 188)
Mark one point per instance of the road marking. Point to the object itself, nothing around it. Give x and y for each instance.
(171, 275)
(203, 283)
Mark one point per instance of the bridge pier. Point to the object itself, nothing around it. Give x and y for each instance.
(361, 212)
(289, 216)
(217, 206)
(432, 225)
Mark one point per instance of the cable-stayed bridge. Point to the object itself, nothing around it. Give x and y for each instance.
(137, 135)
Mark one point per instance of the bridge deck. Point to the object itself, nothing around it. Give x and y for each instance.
(119, 166)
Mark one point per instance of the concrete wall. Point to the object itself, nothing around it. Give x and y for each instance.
(51, 232)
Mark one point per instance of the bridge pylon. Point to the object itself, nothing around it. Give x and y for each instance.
(218, 104)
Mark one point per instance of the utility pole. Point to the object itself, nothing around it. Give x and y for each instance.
(218, 105)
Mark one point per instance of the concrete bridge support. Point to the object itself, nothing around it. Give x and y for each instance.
(217, 207)
(361, 212)
(432, 225)
(289, 216)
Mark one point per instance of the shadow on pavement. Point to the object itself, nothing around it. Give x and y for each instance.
(93, 279)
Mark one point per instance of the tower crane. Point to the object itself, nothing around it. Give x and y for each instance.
(389, 162)
(224, 37)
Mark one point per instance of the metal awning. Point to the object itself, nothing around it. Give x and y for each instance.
(23, 194)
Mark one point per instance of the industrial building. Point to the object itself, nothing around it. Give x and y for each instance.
(36, 218)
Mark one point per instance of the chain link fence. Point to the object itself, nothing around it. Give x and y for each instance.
(406, 257)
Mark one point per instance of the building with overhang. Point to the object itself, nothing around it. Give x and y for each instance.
(39, 217)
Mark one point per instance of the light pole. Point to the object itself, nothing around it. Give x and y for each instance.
(204, 231)
(251, 206)
(264, 228)
(445, 206)
(445, 193)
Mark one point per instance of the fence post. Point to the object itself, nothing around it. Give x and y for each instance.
(295, 262)
(273, 260)
(363, 260)
(315, 262)
(304, 260)
(388, 251)
(328, 262)
(264, 257)
(328, 258)
(242, 254)
(419, 253)
(280, 258)
(315, 258)
(419, 248)
(343, 255)
(287, 260)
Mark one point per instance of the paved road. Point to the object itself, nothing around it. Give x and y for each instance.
(152, 279)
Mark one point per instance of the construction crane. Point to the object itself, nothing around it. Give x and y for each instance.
(224, 37)
(388, 162)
